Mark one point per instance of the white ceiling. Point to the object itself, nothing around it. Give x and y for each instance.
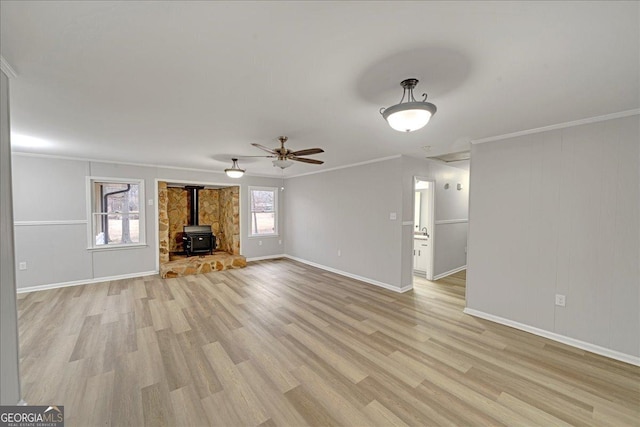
(191, 84)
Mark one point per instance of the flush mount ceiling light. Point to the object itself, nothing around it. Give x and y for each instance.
(282, 163)
(234, 171)
(409, 115)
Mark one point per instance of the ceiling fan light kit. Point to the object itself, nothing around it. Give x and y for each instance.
(284, 156)
(282, 164)
(410, 115)
(234, 171)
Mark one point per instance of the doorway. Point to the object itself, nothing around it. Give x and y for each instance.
(423, 227)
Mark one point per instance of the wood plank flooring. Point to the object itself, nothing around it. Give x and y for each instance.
(280, 343)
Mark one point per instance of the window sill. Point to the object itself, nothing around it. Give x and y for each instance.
(262, 236)
(116, 247)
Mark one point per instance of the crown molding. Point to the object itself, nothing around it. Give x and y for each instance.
(144, 165)
(7, 69)
(382, 159)
(161, 166)
(564, 125)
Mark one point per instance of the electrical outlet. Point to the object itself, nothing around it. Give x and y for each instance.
(279, 242)
(259, 242)
(150, 202)
(561, 300)
(22, 265)
(339, 252)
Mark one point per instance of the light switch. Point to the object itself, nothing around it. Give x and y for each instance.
(393, 216)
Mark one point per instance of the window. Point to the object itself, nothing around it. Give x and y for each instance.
(263, 210)
(117, 212)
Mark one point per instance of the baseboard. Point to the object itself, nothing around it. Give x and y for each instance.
(351, 276)
(262, 258)
(84, 282)
(450, 272)
(602, 351)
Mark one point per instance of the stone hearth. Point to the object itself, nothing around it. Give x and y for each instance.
(186, 266)
(219, 208)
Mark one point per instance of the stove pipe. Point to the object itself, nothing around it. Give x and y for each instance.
(193, 213)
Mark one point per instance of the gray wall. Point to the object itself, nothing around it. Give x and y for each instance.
(51, 219)
(348, 209)
(558, 213)
(10, 375)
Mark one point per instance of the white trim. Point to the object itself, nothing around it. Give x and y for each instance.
(84, 282)
(407, 223)
(7, 68)
(118, 247)
(22, 402)
(420, 273)
(603, 351)
(431, 224)
(352, 276)
(142, 216)
(449, 273)
(178, 181)
(473, 141)
(382, 159)
(596, 119)
(262, 258)
(451, 221)
(276, 211)
(144, 165)
(156, 221)
(55, 222)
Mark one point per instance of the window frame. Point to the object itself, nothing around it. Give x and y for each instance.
(91, 215)
(276, 213)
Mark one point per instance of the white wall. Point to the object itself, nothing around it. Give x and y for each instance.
(558, 213)
(9, 379)
(51, 219)
(348, 209)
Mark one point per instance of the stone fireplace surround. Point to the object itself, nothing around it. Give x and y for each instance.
(218, 207)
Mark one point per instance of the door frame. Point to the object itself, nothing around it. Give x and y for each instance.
(431, 220)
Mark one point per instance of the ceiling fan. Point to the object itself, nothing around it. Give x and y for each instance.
(283, 155)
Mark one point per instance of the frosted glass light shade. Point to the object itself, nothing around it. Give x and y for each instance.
(409, 116)
(234, 171)
(282, 164)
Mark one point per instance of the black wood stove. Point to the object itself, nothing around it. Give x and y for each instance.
(198, 239)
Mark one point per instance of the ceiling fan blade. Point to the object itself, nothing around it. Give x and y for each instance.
(307, 152)
(262, 147)
(302, 159)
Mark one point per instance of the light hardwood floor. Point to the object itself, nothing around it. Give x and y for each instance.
(282, 343)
